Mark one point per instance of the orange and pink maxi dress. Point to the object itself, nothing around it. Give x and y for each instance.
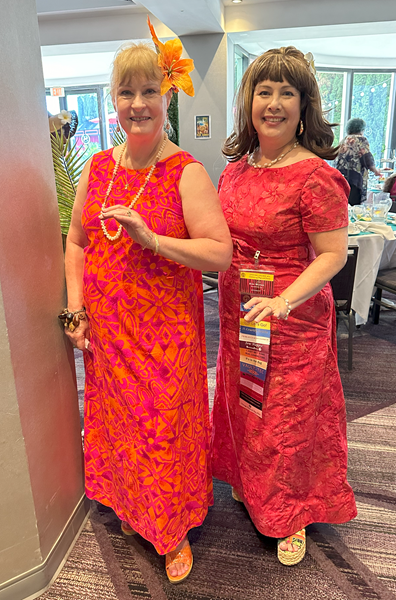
(146, 403)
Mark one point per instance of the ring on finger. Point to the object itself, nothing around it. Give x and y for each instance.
(128, 213)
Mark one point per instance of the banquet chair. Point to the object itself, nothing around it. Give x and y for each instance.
(342, 285)
(386, 280)
(210, 279)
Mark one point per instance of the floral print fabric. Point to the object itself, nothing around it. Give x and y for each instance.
(146, 402)
(290, 465)
(353, 161)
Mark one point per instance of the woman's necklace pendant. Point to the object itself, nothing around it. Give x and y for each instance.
(253, 163)
(117, 235)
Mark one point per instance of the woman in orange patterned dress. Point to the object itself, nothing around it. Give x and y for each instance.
(281, 443)
(146, 221)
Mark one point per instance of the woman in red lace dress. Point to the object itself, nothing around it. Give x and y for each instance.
(281, 199)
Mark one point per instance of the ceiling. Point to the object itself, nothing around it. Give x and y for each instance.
(51, 6)
(347, 38)
(350, 46)
(60, 6)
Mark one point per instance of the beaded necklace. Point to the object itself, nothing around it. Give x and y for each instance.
(252, 162)
(114, 237)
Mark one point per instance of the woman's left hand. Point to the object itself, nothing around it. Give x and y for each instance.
(131, 221)
(265, 307)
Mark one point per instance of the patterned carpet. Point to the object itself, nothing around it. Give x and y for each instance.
(232, 561)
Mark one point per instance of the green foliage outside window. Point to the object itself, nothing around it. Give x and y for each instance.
(370, 102)
(173, 115)
(330, 86)
(87, 110)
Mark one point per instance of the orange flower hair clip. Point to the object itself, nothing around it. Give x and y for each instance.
(175, 69)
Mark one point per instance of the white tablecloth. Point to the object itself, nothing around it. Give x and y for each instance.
(374, 253)
(388, 258)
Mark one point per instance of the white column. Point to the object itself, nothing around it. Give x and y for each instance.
(209, 52)
(41, 467)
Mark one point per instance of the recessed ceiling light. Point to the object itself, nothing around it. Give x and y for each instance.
(236, 1)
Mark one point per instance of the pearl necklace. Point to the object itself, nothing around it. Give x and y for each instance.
(252, 162)
(114, 237)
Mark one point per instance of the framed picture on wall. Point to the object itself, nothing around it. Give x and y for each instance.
(202, 127)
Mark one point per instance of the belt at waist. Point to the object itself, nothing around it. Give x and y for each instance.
(247, 251)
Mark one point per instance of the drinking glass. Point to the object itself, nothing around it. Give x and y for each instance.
(379, 212)
(387, 202)
(358, 211)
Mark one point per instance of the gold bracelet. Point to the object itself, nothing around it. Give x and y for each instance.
(148, 241)
(156, 244)
(288, 308)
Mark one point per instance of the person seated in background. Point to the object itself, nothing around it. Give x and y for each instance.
(390, 186)
(354, 160)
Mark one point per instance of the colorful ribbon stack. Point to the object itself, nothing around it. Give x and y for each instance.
(254, 341)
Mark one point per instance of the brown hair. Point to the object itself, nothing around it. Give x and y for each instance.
(138, 60)
(277, 65)
(388, 183)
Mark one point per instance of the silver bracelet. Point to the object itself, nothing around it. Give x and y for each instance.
(288, 308)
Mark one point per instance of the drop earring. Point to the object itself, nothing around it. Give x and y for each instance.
(118, 128)
(301, 128)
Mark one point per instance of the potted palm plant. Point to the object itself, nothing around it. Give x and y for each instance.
(69, 159)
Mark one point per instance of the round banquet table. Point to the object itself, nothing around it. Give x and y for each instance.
(375, 253)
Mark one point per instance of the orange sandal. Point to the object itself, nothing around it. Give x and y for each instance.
(182, 556)
(286, 557)
(127, 529)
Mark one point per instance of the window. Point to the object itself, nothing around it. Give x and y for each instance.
(331, 85)
(53, 105)
(370, 102)
(109, 115)
(241, 63)
(86, 105)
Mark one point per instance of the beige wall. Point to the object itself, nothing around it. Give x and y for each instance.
(41, 476)
(210, 82)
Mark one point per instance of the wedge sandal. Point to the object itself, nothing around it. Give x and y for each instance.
(127, 529)
(286, 557)
(236, 496)
(182, 556)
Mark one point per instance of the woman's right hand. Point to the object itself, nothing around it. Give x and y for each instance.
(79, 335)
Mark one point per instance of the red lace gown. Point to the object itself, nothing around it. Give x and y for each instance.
(290, 465)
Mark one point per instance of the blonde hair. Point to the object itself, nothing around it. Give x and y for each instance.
(134, 60)
(280, 64)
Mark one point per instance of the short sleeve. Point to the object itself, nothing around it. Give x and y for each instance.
(364, 146)
(367, 160)
(228, 169)
(324, 200)
(220, 182)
